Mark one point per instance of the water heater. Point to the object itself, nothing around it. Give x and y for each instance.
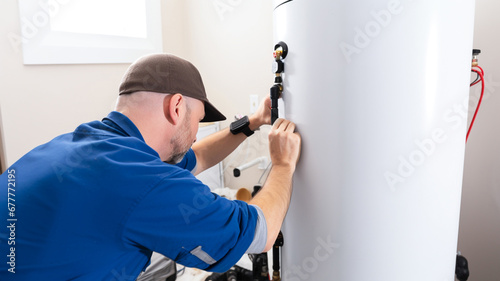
(379, 92)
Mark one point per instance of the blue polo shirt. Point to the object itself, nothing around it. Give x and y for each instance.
(93, 205)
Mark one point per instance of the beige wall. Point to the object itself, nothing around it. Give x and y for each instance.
(231, 47)
(479, 238)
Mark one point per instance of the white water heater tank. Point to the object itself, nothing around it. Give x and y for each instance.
(379, 92)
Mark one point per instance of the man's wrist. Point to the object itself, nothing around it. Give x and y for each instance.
(285, 168)
(255, 123)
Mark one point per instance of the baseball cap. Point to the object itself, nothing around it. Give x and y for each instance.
(169, 74)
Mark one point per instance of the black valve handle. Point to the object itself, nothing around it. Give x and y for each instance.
(275, 95)
(283, 46)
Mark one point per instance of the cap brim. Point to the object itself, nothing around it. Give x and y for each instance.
(212, 114)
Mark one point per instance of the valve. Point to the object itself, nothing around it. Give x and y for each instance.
(278, 67)
(475, 53)
(276, 91)
(282, 49)
(276, 257)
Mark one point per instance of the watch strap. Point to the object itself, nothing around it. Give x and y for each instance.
(246, 130)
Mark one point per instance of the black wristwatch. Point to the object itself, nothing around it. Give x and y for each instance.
(241, 126)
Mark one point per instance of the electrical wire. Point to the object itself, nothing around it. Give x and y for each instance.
(181, 271)
(478, 76)
(263, 173)
(481, 75)
(475, 81)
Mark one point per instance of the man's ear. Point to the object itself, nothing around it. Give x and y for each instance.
(172, 107)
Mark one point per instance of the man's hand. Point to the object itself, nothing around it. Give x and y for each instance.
(214, 148)
(284, 144)
(262, 116)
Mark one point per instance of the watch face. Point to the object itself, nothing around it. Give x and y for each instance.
(239, 125)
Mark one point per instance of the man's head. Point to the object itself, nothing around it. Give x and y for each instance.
(165, 73)
(164, 96)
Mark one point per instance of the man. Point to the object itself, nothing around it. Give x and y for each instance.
(95, 203)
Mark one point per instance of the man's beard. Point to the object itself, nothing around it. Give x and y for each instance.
(181, 142)
(177, 157)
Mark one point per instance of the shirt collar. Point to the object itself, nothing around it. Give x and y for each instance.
(122, 123)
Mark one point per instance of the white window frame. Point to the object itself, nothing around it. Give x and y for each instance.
(41, 45)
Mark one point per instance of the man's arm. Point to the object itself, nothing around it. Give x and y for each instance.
(274, 197)
(284, 146)
(214, 148)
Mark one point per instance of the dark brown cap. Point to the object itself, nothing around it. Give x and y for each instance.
(164, 73)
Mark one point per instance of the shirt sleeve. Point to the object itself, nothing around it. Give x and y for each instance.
(189, 161)
(260, 239)
(181, 219)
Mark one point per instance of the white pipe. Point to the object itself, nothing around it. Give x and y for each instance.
(262, 161)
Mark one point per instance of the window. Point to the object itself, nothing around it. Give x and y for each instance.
(89, 31)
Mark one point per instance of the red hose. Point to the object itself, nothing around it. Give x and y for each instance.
(482, 71)
(481, 75)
